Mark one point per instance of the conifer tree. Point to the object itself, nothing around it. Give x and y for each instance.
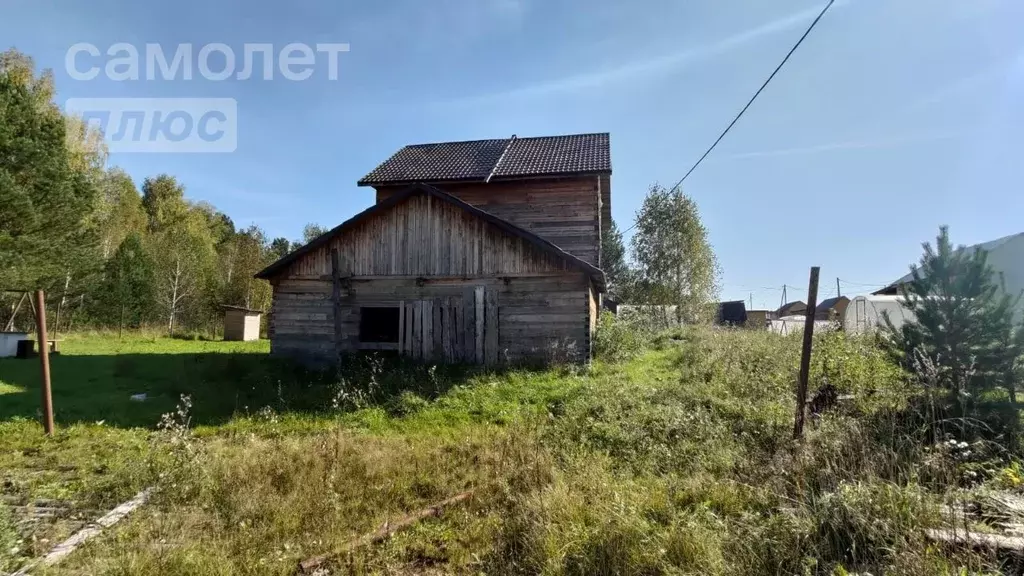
(964, 322)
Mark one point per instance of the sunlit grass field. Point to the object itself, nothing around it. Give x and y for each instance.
(676, 458)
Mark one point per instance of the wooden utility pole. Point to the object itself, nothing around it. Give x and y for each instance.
(44, 358)
(805, 358)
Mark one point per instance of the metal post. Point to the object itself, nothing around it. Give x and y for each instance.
(805, 358)
(44, 358)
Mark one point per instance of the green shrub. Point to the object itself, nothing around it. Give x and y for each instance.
(407, 403)
(616, 340)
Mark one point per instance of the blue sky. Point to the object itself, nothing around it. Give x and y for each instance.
(894, 117)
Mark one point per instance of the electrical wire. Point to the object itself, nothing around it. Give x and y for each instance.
(751, 101)
(863, 284)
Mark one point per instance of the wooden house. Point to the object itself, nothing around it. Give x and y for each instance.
(832, 309)
(795, 308)
(481, 252)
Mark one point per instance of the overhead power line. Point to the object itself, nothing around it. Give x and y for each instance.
(758, 93)
(752, 98)
(865, 285)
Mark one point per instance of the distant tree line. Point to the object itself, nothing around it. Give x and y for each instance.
(107, 253)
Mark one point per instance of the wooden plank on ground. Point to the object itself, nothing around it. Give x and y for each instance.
(65, 548)
(491, 327)
(979, 540)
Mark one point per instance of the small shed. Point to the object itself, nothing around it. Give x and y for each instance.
(9, 343)
(241, 324)
(758, 319)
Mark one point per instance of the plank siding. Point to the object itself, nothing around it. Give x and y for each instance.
(566, 211)
(427, 237)
(467, 291)
(538, 319)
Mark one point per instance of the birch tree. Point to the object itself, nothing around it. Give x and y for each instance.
(675, 263)
(183, 253)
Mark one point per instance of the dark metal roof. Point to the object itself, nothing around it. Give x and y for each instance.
(595, 273)
(796, 306)
(484, 160)
(830, 303)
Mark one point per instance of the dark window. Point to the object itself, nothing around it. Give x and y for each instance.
(378, 325)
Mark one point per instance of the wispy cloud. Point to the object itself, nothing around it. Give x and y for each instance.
(973, 81)
(648, 66)
(849, 145)
(439, 25)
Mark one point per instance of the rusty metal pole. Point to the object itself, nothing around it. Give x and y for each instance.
(805, 357)
(44, 358)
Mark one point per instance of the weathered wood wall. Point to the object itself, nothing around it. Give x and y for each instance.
(538, 318)
(424, 236)
(456, 279)
(564, 211)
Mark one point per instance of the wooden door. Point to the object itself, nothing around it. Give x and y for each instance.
(451, 329)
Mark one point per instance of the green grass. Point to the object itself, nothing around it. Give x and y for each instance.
(674, 460)
(93, 379)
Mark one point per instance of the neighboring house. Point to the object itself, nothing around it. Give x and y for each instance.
(485, 251)
(796, 308)
(758, 319)
(832, 309)
(1005, 256)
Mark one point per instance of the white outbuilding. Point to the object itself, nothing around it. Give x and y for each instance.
(241, 324)
(1005, 256)
(867, 313)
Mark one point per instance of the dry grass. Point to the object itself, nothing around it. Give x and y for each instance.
(676, 460)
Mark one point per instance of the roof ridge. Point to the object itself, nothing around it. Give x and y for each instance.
(500, 158)
(454, 142)
(516, 137)
(566, 135)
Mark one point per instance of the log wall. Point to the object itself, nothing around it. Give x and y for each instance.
(466, 291)
(564, 211)
(537, 318)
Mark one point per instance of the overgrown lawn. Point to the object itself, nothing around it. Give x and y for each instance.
(671, 460)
